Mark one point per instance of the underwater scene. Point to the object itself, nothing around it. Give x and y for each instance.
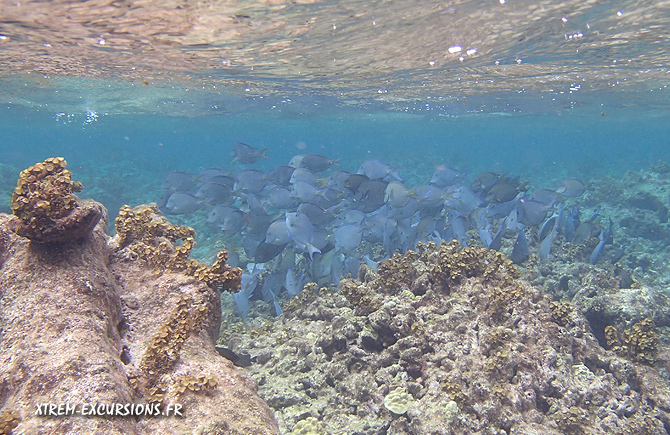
(335, 217)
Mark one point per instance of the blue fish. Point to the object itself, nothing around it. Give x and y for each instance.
(459, 226)
(301, 231)
(545, 246)
(484, 228)
(554, 221)
(250, 181)
(445, 176)
(569, 231)
(571, 187)
(316, 162)
(521, 251)
(247, 154)
(370, 263)
(605, 238)
(496, 243)
(337, 267)
(348, 238)
(178, 181)
(462, 199)
(249, 283)
(182, 203)
(376, 169)
(295, 282)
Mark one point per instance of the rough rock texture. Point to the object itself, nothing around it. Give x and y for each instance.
(602, 301)
(45, 207)
(479, 351)
(81, 322)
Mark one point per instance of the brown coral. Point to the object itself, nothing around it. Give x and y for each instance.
(9, 420)
(397, 270)
(640, 342)
(562, 313)
(446, 264)
(45, 207)
(195, 383)
(163, 351)
(147, 235)
(450, 264)
(480, 352)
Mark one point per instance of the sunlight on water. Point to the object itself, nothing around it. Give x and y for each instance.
(205, 58)
(533, 132)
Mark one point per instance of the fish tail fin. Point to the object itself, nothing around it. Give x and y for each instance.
(311, 249)
(263, 153)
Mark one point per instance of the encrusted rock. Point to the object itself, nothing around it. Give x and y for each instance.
(45, 207)
(398, 401)
(81, 324)
(477, 351)
(144, 233)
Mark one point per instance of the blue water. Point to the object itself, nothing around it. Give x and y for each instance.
(540, 146)
(122, 159)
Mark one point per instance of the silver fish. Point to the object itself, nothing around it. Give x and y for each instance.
(397, 194)
(182, 203)
(247, 154)
(301, 231)
(348, 238)
(571, 187)
(316, 162)
(376, 169)
(277, 233)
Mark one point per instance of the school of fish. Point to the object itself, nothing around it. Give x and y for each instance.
(308, 221)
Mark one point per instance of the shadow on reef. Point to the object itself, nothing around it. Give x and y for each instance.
(444, 340)
(127, 322)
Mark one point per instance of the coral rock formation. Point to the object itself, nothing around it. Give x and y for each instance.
(476, 350)
(144, 233)
(85, 323)
(45, 207)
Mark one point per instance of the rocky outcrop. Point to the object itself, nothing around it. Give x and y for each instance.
(447, 341)
(83, 323)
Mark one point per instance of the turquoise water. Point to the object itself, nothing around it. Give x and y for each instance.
(585, 143)
(543, 91)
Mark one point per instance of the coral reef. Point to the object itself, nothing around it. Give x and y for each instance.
(640, 342)
(8, 422)
(475, 350)
(398, 401)
(144, 233)
(45, 207)
(83, 323)
(605, 305)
